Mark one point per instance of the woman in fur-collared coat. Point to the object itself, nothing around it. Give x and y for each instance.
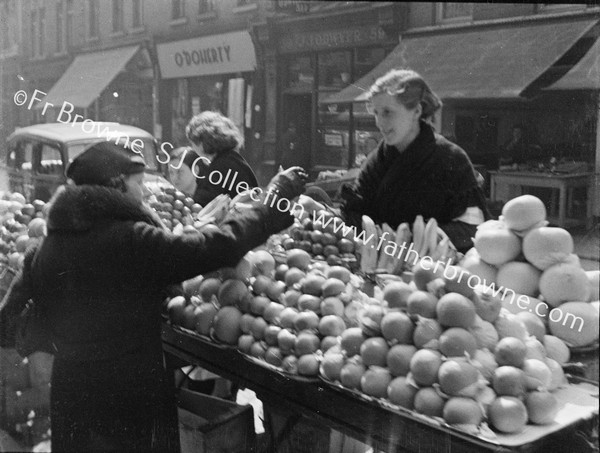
(99, 278)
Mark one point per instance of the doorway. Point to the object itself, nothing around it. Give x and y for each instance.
(296, 144)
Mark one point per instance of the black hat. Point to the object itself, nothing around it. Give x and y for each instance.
(102, 162)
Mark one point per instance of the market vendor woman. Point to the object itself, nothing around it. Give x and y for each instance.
(414, 171)
(99, 278)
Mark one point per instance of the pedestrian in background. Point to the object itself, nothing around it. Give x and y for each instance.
(215, 138)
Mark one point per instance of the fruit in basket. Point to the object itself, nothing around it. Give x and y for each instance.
(456, 341)
(496, 244)
(455, 377)
(175, 308)
(460, 281)
(312, 284)
(273, 356)
(227, 324)
(396, 294)
(556, 349)
(331, 325)
(286, 340)
(231, 292)
(261, 284)
(290, 297)
(332, 287)
(375, 381)
(352, 373)
(36, 228)
(258, 349)
(533, 324)
(537, 374)
(270, 335)
(259, 304)
(401, 392)
(522, 278)
(262, 263)
(426, 332)
(287, 317)
(351, 340)
(397, 327)
(508, 414)
(290, 364)
(524, 212)
(564, 282)
(427, 401)
(422, 303)
(424, 366)
(462, 411)
(374, 352)
(293, 275)
(473, 263)
(309, 302)
(308, 365)
(332, 306)
(535, 349)
(509, 381)
(306, 343)
(257, 328)
(576, 323)
(398, 359)
(275, 290)
(245, 343)
(298, 258)
(306, 320)
(272, 312)
(422, 275)
(558, 375)
(485, 334)
(331, 366)
(508, 325)
(510, 351)
(546, 246)
(205, 315)
(328, 342)
(455, 310)
(542, 407)
(485, 362)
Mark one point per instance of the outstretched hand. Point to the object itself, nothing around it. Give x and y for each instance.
(290, 183)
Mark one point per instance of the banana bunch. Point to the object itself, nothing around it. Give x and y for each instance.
(214, 212)
(384, 250)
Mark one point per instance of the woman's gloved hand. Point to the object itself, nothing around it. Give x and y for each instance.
(289, 183)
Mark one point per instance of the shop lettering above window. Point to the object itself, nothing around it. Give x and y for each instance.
(209, 55)
(332, 39)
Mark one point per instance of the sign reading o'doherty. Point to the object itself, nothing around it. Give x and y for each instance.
(216, 54)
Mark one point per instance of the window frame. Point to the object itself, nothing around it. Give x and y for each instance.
(439, 13)
(137, 12)
(93, 22)
(117, 17)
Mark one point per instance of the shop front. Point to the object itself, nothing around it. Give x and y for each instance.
(205, 73)
(311, 60)
(106, 85)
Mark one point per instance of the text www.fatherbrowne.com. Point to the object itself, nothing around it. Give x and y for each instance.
(447, 270)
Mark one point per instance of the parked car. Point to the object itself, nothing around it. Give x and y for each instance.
(38, 155)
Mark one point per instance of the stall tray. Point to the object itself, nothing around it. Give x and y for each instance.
(280, 371)
(578, 402)
(210, 340)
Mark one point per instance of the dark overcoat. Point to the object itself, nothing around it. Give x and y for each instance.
(100, 277)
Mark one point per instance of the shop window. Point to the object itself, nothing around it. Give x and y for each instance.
(60, 26)
(335, 70)
(300, 73)
(454, 11)
(177, 9)
(117, 16)
(137, 17)
(93, 25)
(206, 6)
(8, 26)
(333, 137)
(38, 30)
(70, 23)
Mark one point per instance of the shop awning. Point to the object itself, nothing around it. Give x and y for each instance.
(585, 75)
(88, 75)
(497, 63)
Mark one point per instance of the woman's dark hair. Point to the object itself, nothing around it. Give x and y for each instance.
(215, 132)
(410, 89)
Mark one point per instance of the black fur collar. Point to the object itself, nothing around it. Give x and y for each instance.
(79, 208)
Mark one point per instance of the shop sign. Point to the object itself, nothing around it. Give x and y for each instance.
(332, 39)
(292, 6)
(217, 54)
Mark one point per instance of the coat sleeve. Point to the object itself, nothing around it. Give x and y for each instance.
(15, 300)
(166, 258)
(358, 198)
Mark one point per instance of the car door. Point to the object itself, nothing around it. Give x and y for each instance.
(19, 166)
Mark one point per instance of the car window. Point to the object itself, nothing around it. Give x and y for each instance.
(50, 160)
(19, 155)
(150, 153)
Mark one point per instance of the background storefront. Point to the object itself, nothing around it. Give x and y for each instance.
(206, 73)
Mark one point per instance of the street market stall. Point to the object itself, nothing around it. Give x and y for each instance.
(369, 338)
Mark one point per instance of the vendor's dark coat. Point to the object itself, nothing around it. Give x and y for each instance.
(225, 163)
(433, 177)
(99, 277)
